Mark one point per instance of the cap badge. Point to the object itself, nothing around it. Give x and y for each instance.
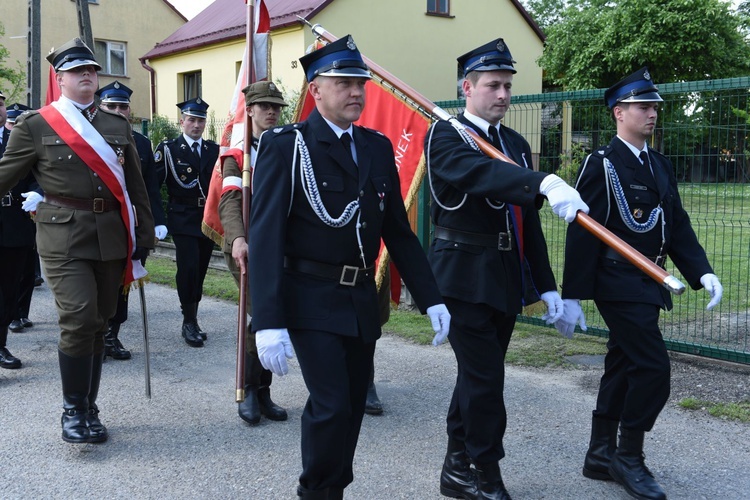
(646, 75)
(117, 85)
(271, 86)
(350, 43)
(198, 101)
(501, 46)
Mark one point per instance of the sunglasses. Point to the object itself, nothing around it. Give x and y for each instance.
(265, 106)
(113, 107)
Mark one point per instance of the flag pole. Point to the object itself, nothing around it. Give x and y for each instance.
(432, 111)
(246, 194)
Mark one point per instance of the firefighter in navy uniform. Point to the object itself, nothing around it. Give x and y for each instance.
(29, 199)
(185, 165)
(115, 97)
(17, 234)
(631, 190)
(481, 246)
(312, 254)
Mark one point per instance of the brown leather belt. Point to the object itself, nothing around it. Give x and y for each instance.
(500, 241)
(345, 275)
(193, 202)
(97, 205)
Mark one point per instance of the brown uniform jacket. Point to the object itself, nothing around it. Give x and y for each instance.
(64, 232)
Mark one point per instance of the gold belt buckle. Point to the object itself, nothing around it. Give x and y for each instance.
(98, 205)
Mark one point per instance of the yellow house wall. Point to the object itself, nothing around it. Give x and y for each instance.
(148, 22)
(218, 64)
(421, 50)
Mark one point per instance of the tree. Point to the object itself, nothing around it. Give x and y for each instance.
(12, 81)
(597, 42)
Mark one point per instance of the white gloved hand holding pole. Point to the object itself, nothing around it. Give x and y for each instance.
(441, 322)
(712, 285)
(564, 200)
(274, 348)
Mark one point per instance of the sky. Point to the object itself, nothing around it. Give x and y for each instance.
(189, 8)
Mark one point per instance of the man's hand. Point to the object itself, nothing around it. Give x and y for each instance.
(712, 285)
(555, 306)
(32, 200)
(161, 232)
(140, 253)
(572, 315)
(274, 347)
(565, 201)
(239, 253)
(441, 322)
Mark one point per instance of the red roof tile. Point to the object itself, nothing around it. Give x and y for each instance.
(225, 20)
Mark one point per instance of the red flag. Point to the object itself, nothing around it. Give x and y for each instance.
(406, 128)
(53, 90)
(234, 130)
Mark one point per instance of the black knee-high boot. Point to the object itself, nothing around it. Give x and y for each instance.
(75, 374)
(601, 448)
(457, 480)
(97, 431)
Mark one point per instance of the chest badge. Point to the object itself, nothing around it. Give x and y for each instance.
(637, 213)
(381, 205)
(189, 169)
(120, 156)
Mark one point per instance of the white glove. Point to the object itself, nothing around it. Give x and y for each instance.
(555, 306)
(274, 347)
(32, 200)
(573, 315)
(711, 283)
(441, 322)
(161, 232)
(564, 200)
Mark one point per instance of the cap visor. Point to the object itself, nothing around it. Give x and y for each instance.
(350, 72)
(67, 66)
(645, 97)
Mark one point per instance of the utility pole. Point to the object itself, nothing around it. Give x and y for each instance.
(33, 56)
(84, 23)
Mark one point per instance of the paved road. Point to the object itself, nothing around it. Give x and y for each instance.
(187, 441)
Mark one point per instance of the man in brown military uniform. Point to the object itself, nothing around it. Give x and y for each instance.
(93, 226)
(263, 102)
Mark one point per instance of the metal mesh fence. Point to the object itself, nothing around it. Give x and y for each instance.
(703, 129)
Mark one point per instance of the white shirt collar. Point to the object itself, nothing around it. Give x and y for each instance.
(481, 123)
(75, 103)
(338, 130)
(190, 140)
(633, 149)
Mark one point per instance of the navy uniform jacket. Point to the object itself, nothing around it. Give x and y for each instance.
(16, 226)
(476, 274)
(589, 277)
(285, 299)
(185, 218)
(148, 169)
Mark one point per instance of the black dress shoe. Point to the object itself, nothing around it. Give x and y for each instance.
(7, 360)
(15, 326)
(268, 408)
(373, 406)
(191, 335)
(38, 280)
(249, 409)
(26, 322)
(201, 333)
(97, 432)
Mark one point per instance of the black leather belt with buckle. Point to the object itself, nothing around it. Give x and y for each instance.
(501, 241)
(611, 254)
(193, 202)
(7, 200)
(345, 275)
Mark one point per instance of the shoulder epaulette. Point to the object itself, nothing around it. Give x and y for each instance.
(286, 128)
(372, 131)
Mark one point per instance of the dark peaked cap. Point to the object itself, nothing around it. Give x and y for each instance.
(71, 55)
(636, 87)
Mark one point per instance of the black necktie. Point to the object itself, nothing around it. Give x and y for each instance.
(346, 140)
(497, 141)
(195, 150)
(646, 162)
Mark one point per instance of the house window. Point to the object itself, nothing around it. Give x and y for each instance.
(192, 85)
(112, 56)
(439, 7)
